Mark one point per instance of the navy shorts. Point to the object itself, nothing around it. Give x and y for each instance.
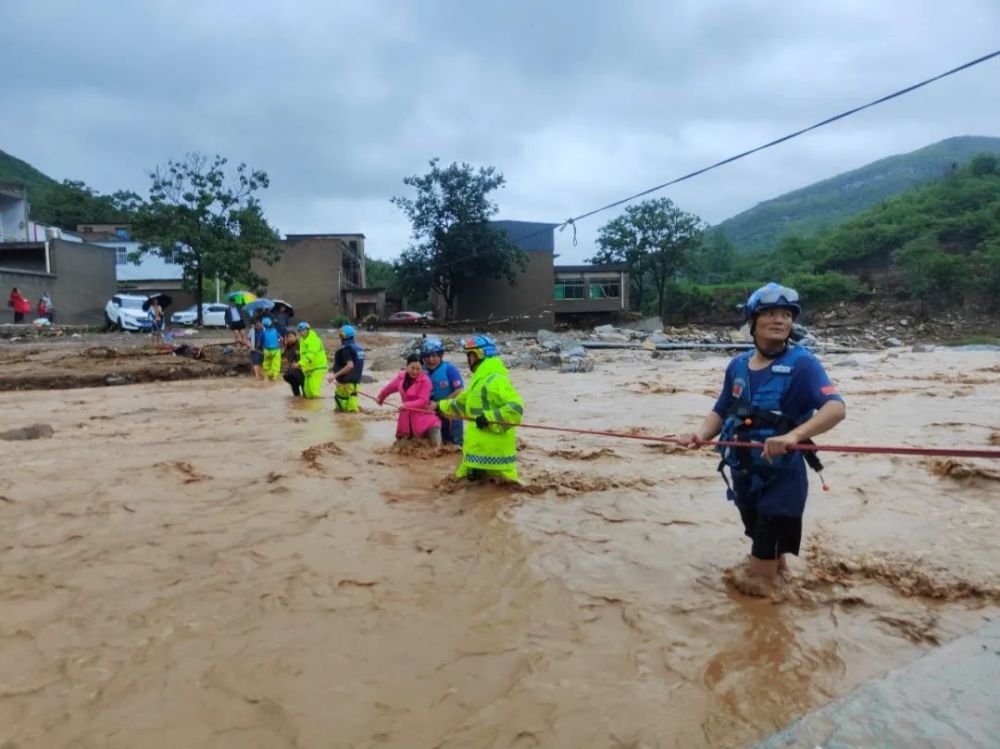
(772, 535)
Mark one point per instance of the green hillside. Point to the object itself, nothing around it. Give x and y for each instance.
(40, 186)
(804, 212)
(63, 204)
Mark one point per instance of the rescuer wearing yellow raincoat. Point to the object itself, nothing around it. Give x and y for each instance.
(490, 445)
(312, 360)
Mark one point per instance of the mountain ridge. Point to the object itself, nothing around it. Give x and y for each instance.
(810, 209)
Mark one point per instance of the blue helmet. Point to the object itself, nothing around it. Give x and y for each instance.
(347, 332)
(267, 322)
(431, 346)
(482, 346)
(302, 326)
(770, 297)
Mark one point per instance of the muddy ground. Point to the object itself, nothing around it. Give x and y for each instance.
(210, 563)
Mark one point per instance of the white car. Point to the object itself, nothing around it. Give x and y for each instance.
(125, 312)
(212, 315)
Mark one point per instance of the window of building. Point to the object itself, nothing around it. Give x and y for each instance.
(570, 288)
(605, 289)
(121, 255)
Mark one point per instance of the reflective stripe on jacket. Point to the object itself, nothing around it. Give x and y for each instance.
(312, 355)
(490, 394)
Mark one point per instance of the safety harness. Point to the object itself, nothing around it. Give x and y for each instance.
(756, 417)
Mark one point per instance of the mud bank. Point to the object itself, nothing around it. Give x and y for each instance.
(213, 564)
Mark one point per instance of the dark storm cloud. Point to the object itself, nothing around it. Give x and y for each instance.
(577, 103)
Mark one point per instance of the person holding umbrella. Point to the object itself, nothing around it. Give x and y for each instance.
(234, 315)
(312, 361)
(281, 314)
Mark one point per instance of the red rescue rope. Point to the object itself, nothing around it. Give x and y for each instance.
(950, 452)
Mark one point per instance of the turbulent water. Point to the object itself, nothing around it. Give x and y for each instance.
(211, 564)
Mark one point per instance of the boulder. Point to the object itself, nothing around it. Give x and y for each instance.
(603, 330)
(922, 348)
(894, 342)
(574, 352)
(578, 365)
(367, 379)
(647, 325)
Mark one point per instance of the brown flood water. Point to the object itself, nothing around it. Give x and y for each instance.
(211, 564)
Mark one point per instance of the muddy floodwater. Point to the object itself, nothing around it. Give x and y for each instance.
(211, 564)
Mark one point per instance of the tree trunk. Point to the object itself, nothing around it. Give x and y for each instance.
(198, 294)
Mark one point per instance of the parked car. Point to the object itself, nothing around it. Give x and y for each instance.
(429, 316)
(406, 318)
(125, 312)
(212, 315)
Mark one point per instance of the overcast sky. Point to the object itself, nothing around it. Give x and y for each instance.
(577, 103)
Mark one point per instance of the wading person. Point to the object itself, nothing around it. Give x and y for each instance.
(272, 350)
(490, 444)
(446, 382)
(416, 419)
(780, 395)
(257, 349)
(293, 372)
(348, 366)
(312, 361)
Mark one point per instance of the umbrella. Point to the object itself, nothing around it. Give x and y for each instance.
(164, 299)
(286, 305)
(240, 297)
(262, 304)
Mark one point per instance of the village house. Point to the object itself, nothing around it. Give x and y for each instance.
(544, 293)
(35, 258)
(323, 276)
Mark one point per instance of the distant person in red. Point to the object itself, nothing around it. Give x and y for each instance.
(20, 305)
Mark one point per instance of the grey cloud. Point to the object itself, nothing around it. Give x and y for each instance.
(577, 103)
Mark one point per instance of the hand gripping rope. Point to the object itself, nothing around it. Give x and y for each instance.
(948, 452)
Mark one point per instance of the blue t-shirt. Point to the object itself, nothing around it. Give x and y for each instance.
(445, 380)
(272, 339)
(784, 492)
(809, 389)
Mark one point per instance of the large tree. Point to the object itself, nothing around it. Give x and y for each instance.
(452, 235)
(208, 222)
(656, 239)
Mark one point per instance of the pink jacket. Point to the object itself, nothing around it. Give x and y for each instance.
(418, 395)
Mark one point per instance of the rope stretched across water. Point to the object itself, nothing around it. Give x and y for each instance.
(946, 452)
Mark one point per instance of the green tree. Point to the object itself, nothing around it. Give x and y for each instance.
(208, 222)
(452, 235)
(653, 237)
(714, 261)
(380, 273)
(986, 272)
(934, 278)
(619, 243)
(73, 203)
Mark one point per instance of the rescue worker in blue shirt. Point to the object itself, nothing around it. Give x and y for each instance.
(777, 394)
(446, 382)
(348, 366)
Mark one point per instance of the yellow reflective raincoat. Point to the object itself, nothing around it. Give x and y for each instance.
(312, 360)
(489, 393)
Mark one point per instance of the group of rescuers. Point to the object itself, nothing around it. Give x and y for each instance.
(777, 394)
